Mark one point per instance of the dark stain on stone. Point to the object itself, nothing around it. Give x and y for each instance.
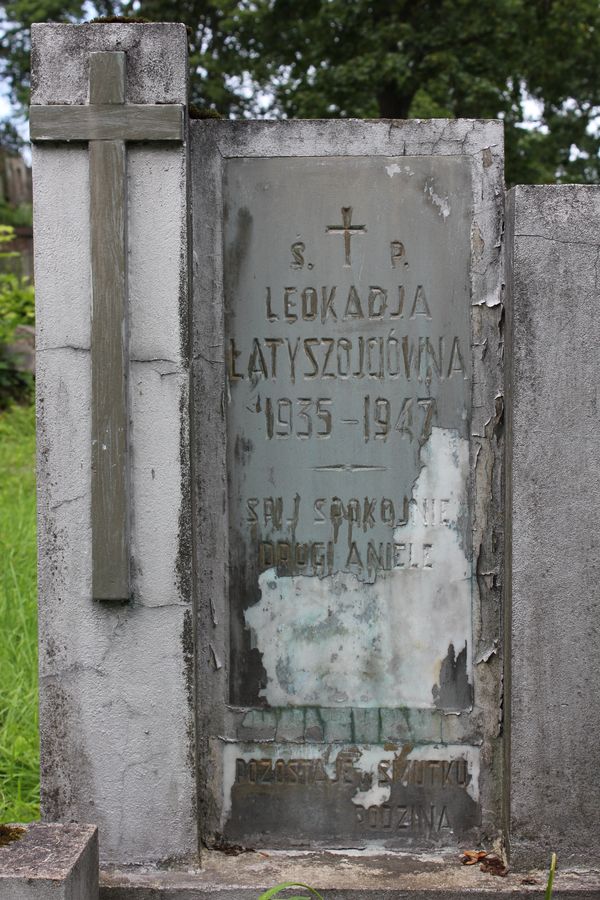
(237, 252)
(248, 676)
(243, 447)
(498, 420)
(454, 691)
(183, 563)
(65, 767)
(228, 848)
(187, 645)
(10, 833)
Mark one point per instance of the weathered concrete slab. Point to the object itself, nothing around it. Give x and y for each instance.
(554, 447)
(60, 59)
(341, 876)
(116, 688)
(354, 608)
(50, 862)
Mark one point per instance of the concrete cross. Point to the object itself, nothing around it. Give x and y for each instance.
(108, 122)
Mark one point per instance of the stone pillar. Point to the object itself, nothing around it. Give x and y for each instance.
(554, 486)
(115, 677)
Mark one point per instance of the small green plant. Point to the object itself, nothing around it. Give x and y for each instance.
(551, 877)
(17, 307)
(285, 886)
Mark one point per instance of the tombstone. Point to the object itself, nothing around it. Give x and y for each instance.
(356, 292)
(271, 475)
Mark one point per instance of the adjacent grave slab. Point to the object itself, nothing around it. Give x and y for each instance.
(50, 862)
(554, 446)
(348, 401)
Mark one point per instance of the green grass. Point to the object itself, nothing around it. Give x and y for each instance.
(19, 753)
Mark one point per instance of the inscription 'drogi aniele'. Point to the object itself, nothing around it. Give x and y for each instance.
(348, 366)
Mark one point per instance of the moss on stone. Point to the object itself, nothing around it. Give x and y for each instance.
(10, 833)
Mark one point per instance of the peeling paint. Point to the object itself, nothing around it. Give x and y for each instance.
(442, 203)
(395, 169)
(338, 641)
(486, 655)
(276, 553)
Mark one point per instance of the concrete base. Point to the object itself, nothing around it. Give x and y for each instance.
(340, 876)
(50, 862)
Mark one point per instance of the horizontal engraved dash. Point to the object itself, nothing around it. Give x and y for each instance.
(349, 421)
(349, 467)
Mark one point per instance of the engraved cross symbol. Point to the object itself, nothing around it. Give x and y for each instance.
(348, 230)
(108, 122)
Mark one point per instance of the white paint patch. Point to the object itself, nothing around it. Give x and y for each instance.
(395, 169)
(375, 796)
(340, 642)
(371, 756)
(368, 762)
(441, 202)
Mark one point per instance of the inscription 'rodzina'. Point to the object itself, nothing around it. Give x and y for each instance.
(348, 366)
(344, 646)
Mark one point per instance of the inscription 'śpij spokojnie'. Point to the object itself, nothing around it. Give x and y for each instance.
(348, 367)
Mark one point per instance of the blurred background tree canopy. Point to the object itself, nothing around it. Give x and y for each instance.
(381, 58)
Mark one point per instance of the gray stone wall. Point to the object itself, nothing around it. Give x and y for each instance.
(554, 447)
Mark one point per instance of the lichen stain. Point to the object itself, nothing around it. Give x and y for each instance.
(11, 833)
(454, 692)
(340, 641)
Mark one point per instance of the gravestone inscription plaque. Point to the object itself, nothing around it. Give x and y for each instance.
(344, 641)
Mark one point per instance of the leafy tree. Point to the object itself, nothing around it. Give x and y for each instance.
(385, 58)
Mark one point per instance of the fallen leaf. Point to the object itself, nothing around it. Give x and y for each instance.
(470, 857)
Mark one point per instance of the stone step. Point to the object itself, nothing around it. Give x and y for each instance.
(48, 862)
(341, 876)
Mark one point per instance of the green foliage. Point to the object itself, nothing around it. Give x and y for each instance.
(280, 888)
(381, 58)
(16, 216)
(19, 756)
(10, 140)
(17, 307)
